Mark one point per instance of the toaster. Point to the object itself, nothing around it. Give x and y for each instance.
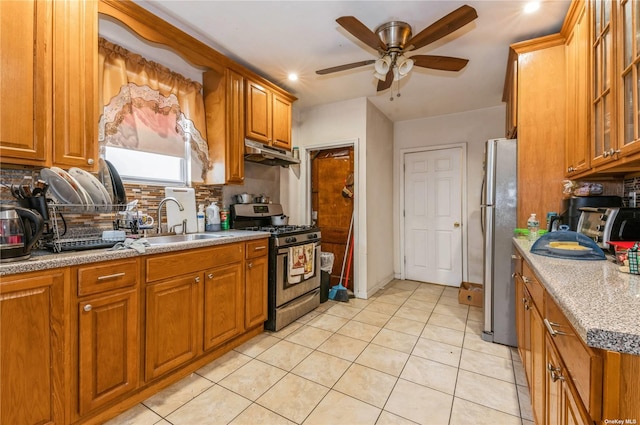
(604, 225)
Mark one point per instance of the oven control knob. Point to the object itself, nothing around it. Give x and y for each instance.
(604, 217)
(312, 236)
(290, 240)
(599, 228)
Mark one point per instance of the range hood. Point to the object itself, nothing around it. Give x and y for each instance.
(267, 155)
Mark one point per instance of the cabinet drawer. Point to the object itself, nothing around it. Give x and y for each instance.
(584, 367)
(535, 288)
(257, 248)
(93, 278)
(179, 263)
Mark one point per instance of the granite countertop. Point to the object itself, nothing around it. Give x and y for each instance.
(602, 303)
(43, 260)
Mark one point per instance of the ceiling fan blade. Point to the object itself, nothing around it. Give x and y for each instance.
(445, 26)
(361, 32)
(444, 63)
(383, 85)
(344, 67)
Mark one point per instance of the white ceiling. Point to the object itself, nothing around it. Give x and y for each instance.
(274, 38)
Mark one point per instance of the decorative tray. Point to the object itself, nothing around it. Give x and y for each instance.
(568, 245)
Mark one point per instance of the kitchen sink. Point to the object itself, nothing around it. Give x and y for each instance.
(190, 237)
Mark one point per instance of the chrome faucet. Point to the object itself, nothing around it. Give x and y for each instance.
(161, 204)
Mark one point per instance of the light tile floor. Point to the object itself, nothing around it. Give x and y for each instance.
(410, 354)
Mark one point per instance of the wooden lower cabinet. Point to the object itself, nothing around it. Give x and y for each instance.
(223, 304)
(255, 300)
(108, 345)
(172, 317)
(32, 320)
(538, 367)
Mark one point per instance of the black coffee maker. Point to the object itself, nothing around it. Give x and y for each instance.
(571, 209)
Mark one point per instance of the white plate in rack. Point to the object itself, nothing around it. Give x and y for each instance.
(84, 196)
(94, 188)
(60, 188)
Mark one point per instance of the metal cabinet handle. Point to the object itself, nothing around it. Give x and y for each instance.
(111, 276)
(87, 307)
(549, 325)
(250, 265)
(259, 248)
(197, 279)
(526, 279)
(555, 372)
(90, 161)
(210, 275)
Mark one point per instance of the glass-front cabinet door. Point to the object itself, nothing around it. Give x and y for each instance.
(602, 33)
(629, 90)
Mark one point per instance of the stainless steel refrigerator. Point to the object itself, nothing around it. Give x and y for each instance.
(499, 218)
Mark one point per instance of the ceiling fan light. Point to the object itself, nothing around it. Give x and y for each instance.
(382, 65)
(397, 75)
(404, 65)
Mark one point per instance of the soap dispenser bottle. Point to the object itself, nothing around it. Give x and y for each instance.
(200, 217)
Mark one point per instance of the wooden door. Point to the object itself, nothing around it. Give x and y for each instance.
(330, 170)
(173, 308)
(577, 142)
(255, 291)
(25, 86)
(538, 366)
(223, 304)
(433, 216)
(258, 113)
(32, 341)
(281, 122)
(108, 348)
(75, 73)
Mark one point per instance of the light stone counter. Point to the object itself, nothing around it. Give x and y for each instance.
(602, 303)
(43, 261)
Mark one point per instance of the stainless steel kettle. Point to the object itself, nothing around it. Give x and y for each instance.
(20, 229)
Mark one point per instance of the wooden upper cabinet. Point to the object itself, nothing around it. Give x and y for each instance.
(50, 77)
(75, 76)
(258, 116)
(268, 116)
(510, 96)
(577, 59)
(628, 19)
(25, 86)
(602, 88)
(281, 122)
(224, 109)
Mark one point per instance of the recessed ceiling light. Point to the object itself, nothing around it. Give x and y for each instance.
(293, 77)
(531, 7)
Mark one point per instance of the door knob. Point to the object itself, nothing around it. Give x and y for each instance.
(456, 224)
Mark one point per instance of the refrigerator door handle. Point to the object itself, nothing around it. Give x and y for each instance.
(488, 272)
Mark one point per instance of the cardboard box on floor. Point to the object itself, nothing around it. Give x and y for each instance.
(470, 294)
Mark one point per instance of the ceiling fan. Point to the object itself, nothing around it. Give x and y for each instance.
(393, 39)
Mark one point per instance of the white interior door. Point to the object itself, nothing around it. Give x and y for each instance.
(433, 212)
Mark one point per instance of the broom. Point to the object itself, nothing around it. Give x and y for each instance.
(339, 292)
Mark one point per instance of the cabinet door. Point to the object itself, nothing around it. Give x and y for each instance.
(75, 73)
(554, 391)
(629, 61)
(577, 142)
(25, 86)
(258, 113)
(522, 321)
(108, 345)
(172, 321)
(256, 291)
(602, 113)
(223, 304)
(538, 366)
(281, 122)
(234, 160)
(32, 341)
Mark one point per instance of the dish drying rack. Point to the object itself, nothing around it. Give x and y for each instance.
(56, 241)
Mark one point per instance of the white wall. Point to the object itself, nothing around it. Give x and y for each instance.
(379, 206)
(359, 123)
(472, 128)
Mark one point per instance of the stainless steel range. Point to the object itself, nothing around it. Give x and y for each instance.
(294, 262)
